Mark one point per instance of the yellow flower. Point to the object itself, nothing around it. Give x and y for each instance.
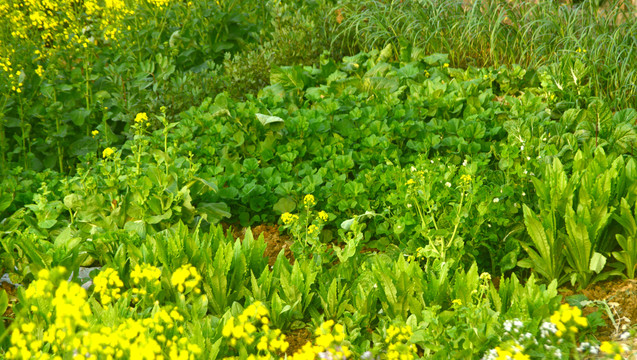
(95, 132)
(606, 347)
(108, 152)
(288, 218)
(445, 65)
(323, 215)
(141, 117)
(465, 178)
(309, 200)
(312, 229)
(457, 302)
(185, 278)
(410, 182)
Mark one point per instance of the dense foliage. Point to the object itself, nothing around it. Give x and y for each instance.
(435, 202)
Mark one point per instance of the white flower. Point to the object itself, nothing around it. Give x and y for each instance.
(625, 335)
(495, 200)
(409, 205)
(523, 193)
(464, 163)
(528, 158)
(432, 161)
(507, 325)
(522, 148)
(448, 184)
(526, 171)
(413, 168)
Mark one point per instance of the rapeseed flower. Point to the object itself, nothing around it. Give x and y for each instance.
(309, 200)
(108, 152)
(288, 218)
(186, 278)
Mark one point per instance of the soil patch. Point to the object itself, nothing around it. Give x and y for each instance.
(297, 339)
(621, 295)
(274, 240)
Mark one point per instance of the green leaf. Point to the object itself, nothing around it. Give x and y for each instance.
(5, 201)
(290, 77)
(4, 302)
(285, 204)
(598, 261)
(268, 119)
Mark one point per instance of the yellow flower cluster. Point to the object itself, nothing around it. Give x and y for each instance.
(612, 349)
(328, 344)
(108, 152)
(145, 277)
(312, 229)
(141, 117)
(323, 215)
(288, 218)
(186, 278)
(568, 319)
(108, 285)
(145, 272)
(13, 78)
(252, 326)
(397, 343)
(309, 200)
(58, 328)
(465, 179)
(515, 353)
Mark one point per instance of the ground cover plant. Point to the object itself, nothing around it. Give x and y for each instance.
(427, 206)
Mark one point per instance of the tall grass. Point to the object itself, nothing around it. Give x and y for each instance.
(493, 33)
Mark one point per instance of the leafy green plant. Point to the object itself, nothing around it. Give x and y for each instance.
(628, 241)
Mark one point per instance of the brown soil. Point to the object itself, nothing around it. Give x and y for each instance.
(297, 339)
(621, 295)
(274, 241)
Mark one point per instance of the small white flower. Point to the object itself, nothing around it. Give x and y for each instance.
(432, 161)
(448, 184)
(625, 335)
(522, 148)
(526, 171)
(532, 174)
(409, 205)
(375, 286)
(528, 158)
(507, 325)
(413, 168)
(539, 156)
(523, 193)
(495, 200)
(489, 225)
(464, 163)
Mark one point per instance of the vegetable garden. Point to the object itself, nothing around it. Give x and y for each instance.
(318, 179)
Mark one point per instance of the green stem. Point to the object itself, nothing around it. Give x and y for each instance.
(455, 229)
(3, 150)
(87, 94)
(59, 145)
(24, 136)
